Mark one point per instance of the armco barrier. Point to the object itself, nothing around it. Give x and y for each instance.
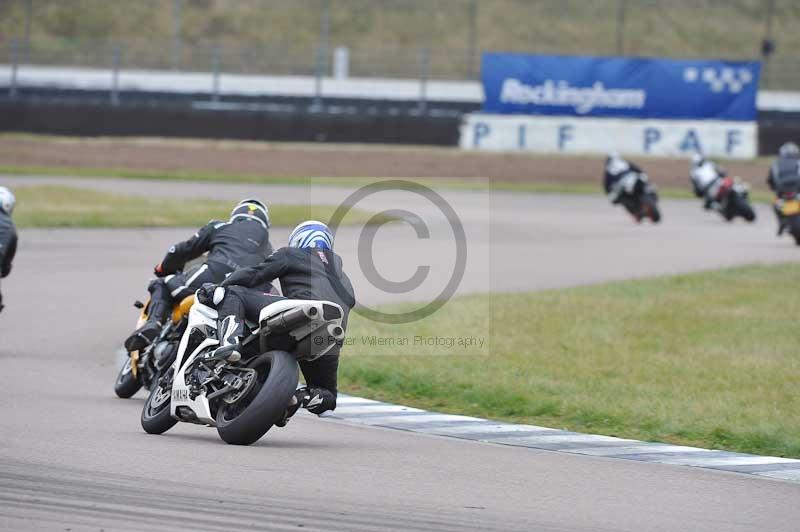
(90, 115)
(97, 119)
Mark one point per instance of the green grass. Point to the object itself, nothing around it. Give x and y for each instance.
(709, 359)
(59, 206)
(444, 183)
(386, 35)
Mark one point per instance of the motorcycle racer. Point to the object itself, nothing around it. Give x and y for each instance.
(784, 174)
(8, 234)
(307, 269)
(240, 242)
(705, 176)
(620, 177)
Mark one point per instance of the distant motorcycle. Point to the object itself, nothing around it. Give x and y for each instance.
(642, 200)
(246, 393)
(787, 208)
(731, 200)
(142, 368)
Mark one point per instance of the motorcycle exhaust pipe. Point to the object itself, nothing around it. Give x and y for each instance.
(319, 342)
(290, 319)
(336, 332)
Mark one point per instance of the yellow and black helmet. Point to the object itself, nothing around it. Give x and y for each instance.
(252, 209)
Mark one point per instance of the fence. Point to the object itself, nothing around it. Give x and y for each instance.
(390, 38)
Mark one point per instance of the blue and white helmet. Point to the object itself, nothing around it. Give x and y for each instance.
(7, 200)
(311, 234)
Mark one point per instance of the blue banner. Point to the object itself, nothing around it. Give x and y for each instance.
(619, 87)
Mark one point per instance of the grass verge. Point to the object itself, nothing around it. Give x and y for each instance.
(709, 359)
(477, 184)
(59, 206)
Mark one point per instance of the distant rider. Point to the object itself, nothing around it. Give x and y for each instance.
(706, 177)
(784, 174)
(307, 269)
(621, 178)
(240, 242)
(8, 234)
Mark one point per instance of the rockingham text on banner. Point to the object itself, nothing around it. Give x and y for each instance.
(619, 87)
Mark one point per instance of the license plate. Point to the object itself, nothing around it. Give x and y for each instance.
(790, 208)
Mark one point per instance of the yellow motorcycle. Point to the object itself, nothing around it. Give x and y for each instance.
(143, 368)
(787, 209)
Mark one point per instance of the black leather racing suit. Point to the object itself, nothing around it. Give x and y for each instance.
(8, 246)
(230, 245)
(784, 175)
(304, 274)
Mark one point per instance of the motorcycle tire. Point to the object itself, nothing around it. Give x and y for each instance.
(247, 420)
(156, 418)
(792, 225)
(126, 384)
(655, 214)
(745, 210)
(650, 208)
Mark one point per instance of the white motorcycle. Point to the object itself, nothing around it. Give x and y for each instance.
(245, 394)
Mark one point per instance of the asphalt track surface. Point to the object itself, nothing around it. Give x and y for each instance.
(72, 456)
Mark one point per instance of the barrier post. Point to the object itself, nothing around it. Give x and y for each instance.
(12, 87)
(28, 21)
(216, 67)
(472, 39)
(767, 44)
(424, 73)
(177, 30)
(621, 7)
(322, 51)
(116, 60)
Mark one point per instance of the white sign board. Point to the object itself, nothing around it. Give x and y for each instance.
(553, 134)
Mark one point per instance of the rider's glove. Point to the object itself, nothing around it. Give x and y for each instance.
(205, 294)
(210, 294)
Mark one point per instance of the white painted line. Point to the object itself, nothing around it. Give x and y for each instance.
(707, 461)
(367, 409)
(347, 399)
(784, 474)
(558, 438)
(479, 428)
(635, 449)
(413, 419)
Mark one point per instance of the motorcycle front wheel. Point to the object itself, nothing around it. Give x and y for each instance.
(126, 384)
(650, 208)
(156, 418)
(744, 208)
(249, 418)
(794, 228)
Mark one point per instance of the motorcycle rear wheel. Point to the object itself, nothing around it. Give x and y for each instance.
(248, 419)
(156, 418)
(126, 384)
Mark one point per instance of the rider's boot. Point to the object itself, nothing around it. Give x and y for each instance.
(229, 333)
(299, 399)
(144, 335)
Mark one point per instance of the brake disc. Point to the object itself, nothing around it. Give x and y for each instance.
(248, 378)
